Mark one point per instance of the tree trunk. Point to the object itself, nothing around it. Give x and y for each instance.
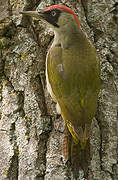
(30, 130)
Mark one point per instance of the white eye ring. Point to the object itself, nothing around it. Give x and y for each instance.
(53, 13)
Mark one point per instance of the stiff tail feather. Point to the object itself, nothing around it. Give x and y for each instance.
(77, 153)
(80, 157)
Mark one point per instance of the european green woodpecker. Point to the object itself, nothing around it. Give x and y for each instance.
(72, 71)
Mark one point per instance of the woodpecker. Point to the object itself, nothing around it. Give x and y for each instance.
(72, 71)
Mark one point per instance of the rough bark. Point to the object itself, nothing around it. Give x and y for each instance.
(31, 133)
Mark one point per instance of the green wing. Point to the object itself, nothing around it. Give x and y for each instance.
(75, 82)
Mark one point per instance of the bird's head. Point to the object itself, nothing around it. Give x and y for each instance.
(56, 16)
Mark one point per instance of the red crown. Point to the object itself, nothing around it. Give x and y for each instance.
(65, 8)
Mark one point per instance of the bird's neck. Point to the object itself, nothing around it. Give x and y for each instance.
(66, 35)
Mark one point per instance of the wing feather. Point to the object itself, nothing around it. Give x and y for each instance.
(72, 81)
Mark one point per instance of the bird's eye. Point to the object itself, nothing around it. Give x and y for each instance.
(53, 13)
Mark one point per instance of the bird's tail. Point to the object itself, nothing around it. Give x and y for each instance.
(80, 157)
(78, 153)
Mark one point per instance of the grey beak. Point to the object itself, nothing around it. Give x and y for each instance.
(36, 14)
